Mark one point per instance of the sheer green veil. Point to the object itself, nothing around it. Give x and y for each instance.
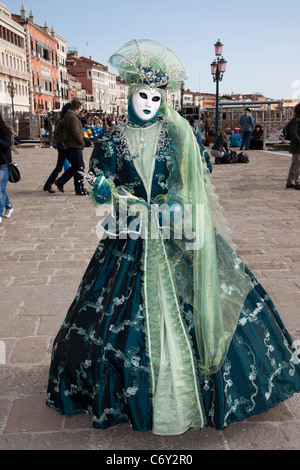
(208, 272)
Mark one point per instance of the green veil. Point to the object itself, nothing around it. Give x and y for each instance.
(207, 272)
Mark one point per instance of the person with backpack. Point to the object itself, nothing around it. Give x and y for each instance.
(293, 180)
(62, 161)
(73, 139)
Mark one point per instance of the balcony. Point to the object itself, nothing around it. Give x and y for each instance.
(14, 73)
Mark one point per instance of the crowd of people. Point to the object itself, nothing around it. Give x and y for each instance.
(87, 118)
(251, 137)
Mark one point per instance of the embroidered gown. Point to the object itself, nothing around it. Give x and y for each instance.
(126, 351)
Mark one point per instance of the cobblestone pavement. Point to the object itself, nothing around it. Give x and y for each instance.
(45, 249)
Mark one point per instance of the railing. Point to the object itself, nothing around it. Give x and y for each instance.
(272, 122)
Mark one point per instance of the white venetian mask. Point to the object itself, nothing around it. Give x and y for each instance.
(146, 103)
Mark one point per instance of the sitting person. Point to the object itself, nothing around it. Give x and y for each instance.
(257, 138)
(209, 138)
(220, 148)
(235, 139)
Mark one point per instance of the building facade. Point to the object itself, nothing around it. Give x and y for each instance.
(13, 65)
(96, 79)
(121, 96)
(44, 93)
(61, 61)
(174, 99)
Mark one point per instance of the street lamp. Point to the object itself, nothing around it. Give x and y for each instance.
(182, 92)
(11, 90)
(218, 68)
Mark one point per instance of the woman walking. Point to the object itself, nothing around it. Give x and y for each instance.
(6, 207)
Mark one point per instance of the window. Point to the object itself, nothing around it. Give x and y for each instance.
(46, 54)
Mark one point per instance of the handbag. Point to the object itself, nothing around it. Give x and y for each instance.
(14, 172)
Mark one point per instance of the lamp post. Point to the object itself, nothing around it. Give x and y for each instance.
(182, 92)
(218, 68)
(11, 90)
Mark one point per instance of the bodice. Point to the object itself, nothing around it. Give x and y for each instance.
(136, 158)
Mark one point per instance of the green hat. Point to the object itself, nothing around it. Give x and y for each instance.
(149, 62)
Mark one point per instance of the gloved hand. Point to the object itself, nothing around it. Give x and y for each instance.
(101, 189)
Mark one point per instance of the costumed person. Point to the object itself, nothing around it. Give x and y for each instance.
(169, 330)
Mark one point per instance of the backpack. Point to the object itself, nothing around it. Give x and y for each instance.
(243, 157)
(233, 158)
(60, 133)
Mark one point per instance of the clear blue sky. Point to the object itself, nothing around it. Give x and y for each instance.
(261, 39)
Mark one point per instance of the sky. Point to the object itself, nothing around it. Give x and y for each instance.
(261, 39)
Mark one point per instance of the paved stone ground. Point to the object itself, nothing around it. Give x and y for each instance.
(45, 249)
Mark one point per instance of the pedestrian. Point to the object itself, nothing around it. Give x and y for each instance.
(47, 122)
(62, 161)
(164, 334)
(257, 139)
(83, 119)
(235, 139)
(247, 124)
(207, 124)
(74, 144)
(6, 142)
(220, 148)
(293, 180)
(209, 138)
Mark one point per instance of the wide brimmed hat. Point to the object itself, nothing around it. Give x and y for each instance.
(150, 62)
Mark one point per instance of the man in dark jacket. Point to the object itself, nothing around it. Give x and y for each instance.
(293, 180)
(62, 160)
(74, 145)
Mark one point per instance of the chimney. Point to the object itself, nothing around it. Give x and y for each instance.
(31, 17)
(23, 12)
